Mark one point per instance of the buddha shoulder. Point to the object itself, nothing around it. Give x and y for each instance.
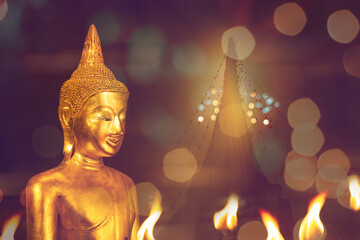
(47, 180)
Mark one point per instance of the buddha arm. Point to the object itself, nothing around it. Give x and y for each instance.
(41, 210)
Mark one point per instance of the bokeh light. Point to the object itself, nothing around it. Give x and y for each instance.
(201, 107)
(292, 155)
(334, 157)
(307, 143)
(47, 141)
(208, 102)
(253, 120)
(343, 26)
(328, 178)
(253, 94)
(180, 165)
(276, 104)
(189, 59)
(289, 19)
(3, 10)
(237, 43)
(251, 105)
(266, 109)
(215, 102)
(351, 60)
(213, 117)
(249, 113)
(269, 101)
(300, 174)
(200, 118)
(231, 120)
(213, 91)
(146, 193)
(145, 54)
(303, 114)
(266, 122)
(253, 230)
(216, 110)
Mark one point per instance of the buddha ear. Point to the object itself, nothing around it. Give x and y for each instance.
(65, 112)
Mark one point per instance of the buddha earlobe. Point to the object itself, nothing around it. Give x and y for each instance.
(65, 112)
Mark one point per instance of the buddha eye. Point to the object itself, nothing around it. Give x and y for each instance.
(105, 118)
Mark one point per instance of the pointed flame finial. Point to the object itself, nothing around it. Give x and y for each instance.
(92, 48)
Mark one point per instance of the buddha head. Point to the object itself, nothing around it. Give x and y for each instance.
(93, 104)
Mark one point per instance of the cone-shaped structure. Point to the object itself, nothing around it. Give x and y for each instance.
(228, 166)
(92, 48)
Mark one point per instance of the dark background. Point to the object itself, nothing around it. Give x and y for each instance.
(41, 43)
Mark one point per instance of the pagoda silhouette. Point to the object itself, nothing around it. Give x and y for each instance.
(229, 165)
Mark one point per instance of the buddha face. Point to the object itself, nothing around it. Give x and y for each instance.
(100, 125)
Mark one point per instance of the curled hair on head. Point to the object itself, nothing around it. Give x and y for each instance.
(91, 76)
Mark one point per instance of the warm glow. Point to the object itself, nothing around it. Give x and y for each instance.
(216, 110)
(351, 60)
(307, 143)
(289, 19)
(266, 122)
(253, 94)
(311, 226)
(10, 227)
(303, 114)
(300, 173)
(200, 118)
(146, 193)
(253, 120)
(343, 26)
(238, 43)
(146, 230)
(354, 187)
(180, 165)
(215, 102)
(226, 218)
(213, 91)
(213, 117)
(271, 225)
(251, 105)
(336, 157)
(249, 113)
(232, 120)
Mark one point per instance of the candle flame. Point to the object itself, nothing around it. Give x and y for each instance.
(226, 218)
(311, 227)
(271, 225)
(10, 227)
(146, 229)
(354, 187)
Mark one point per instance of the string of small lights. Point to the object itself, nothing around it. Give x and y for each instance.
(267, 143)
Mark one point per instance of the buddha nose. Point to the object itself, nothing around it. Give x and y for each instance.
(118, 127)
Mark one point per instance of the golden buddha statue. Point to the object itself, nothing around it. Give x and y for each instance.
(81, 198)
